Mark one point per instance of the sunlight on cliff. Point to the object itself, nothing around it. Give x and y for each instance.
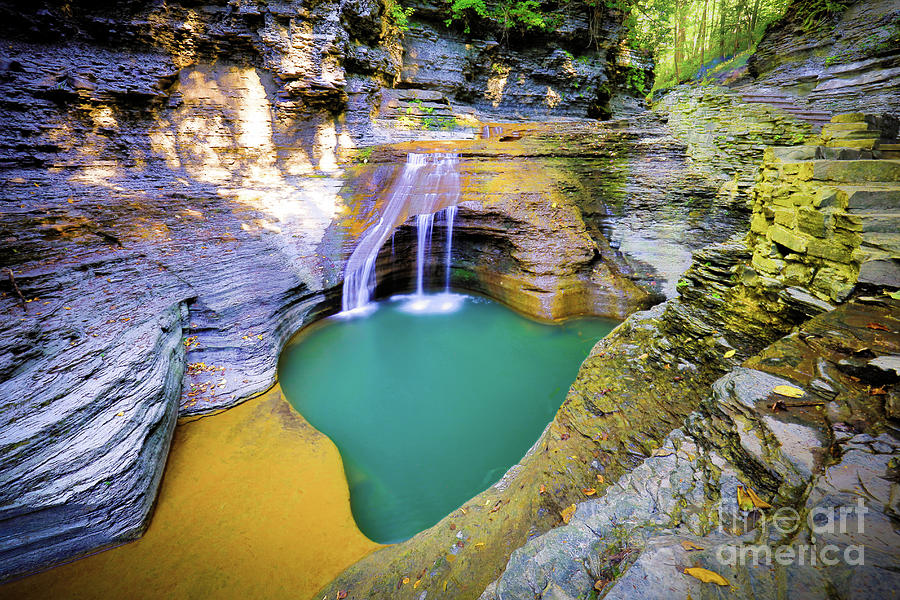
(181, 47)
(496, 83)
(552, 98)
(223, 134)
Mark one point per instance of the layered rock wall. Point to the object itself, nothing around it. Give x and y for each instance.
(846, 62)
(164, 212)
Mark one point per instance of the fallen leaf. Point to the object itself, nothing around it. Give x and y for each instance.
(554, 205)
(879, 391)
(743, 499)
(417, 584)
(567, 513)
(789, 391)
(748, 500)
(479, 544)
(341, 594)
(405, 580)
(445, 586)
(589, 491)
(542, 489)
(600, 584)
(757, 501)
(706, 576)
(877, 326)
(730, 353)
(690, 546)
(496, 506)
(120, 414)
(600, 478)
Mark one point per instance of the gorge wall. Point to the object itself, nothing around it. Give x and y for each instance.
(846, 61)
(170, 174)
(175, 199)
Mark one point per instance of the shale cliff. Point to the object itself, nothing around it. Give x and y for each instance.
(170, 171)
(847, 60)
(182, 183)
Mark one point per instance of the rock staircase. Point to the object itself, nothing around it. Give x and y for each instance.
(832, 209)
(817, 118)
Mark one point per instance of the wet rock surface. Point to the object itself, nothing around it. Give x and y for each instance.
(813, 458)
(618, 204)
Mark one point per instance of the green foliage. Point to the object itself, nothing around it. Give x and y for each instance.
(685, 35)
(399, 15)
(412, 119)
(636, 80)
(508, 14)
(364, 154)
(816, 12)
(464, 10)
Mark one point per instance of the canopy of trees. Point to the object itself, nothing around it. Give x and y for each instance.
(686, 35)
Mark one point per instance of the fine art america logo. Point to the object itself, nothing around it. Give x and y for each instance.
(824, 522)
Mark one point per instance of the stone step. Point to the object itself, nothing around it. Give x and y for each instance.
(851, 171)
(813, 113)
(844, 153)
(880, 271)
(851, 127)
(849, 118)
(859, 144)
(871, 198)
(886, 242)
(883, 222)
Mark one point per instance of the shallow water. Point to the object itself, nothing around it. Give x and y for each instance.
(427, 406)
(253, 504)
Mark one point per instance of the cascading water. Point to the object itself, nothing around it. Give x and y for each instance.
(489, 132)
(427, 184)
(451, 215)
(424, 224)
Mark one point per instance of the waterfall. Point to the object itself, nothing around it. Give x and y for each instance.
(424, 224)
(451, 215)
(427, 184)
(488, 132)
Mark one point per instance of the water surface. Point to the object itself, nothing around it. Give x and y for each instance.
(429, 407)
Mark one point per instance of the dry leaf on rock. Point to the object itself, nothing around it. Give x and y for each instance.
(706, 576)
(789, 391)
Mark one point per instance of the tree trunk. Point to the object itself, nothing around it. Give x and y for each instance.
(676, 55)
(754, 19)
(722, 29)
(701, 36)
